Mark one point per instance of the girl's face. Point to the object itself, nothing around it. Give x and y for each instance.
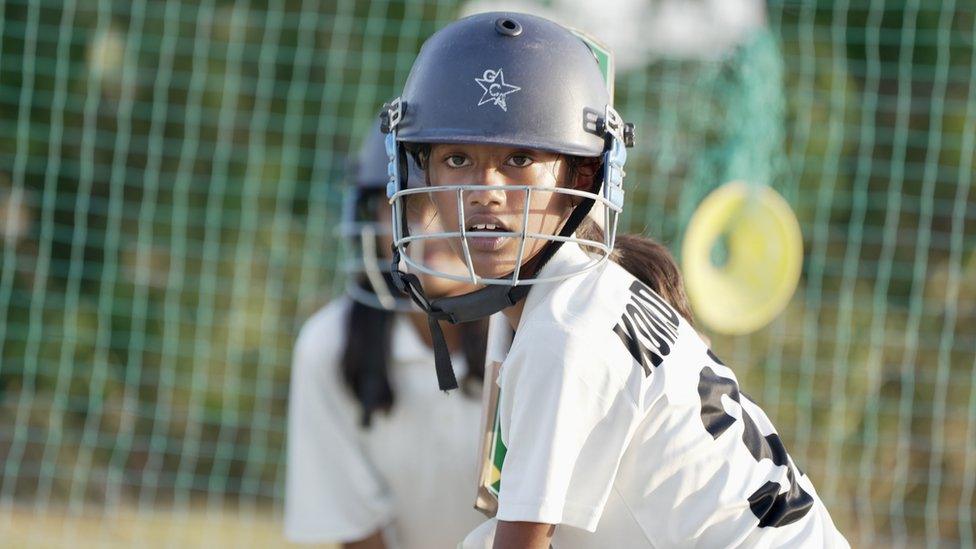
(434, 253)
(492, 209)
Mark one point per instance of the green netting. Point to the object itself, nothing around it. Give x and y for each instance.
(169, 187)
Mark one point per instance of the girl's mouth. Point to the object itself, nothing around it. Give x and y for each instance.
(480, 238)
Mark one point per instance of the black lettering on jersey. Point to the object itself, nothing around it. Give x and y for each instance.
(715, 358)
(644, 356)
(650, 297)
(767, 503)
(775, 509)
(711, 387)
(648, 327)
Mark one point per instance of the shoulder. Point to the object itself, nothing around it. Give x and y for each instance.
(553, 353)
(569, 332)
(326, 323)
(322, 336)
(608, 316)
(589, 299)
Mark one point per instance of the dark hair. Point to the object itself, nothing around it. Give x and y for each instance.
(366, 358)
(420, 153)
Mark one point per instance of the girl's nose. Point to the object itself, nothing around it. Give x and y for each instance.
(488, 192)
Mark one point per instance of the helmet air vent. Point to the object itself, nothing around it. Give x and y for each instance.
(508, 27)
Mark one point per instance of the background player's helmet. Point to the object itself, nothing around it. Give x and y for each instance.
(368, 276)
(508, 79)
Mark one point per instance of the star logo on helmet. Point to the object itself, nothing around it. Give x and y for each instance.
(496, 90)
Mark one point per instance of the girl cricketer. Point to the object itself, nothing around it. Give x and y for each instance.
(377, 457)
(617, 425)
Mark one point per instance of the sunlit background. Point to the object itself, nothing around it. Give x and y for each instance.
(171, 175)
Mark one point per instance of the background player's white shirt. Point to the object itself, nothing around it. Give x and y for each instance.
(410, 473)
(619, 451)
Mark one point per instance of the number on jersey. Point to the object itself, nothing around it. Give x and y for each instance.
(771, 507)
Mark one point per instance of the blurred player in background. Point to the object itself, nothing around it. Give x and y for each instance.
(614, 424)
(377, 456)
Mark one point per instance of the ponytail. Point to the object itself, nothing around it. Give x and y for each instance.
(649, 261)
(366, 359)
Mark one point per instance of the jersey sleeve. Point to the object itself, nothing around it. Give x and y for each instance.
(333, 493)
(482, 537)
(566, 417)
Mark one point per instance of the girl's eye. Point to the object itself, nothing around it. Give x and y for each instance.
(456, 161)
(520, 161)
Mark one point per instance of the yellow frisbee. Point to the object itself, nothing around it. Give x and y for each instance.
(741, 257)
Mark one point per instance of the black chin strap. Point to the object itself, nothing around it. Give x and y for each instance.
(477, 304)
(446, 379)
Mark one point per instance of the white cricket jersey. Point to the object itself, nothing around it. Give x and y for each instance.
(618, 424)
(411, 473)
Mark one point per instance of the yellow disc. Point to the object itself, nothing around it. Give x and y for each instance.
(741, 257)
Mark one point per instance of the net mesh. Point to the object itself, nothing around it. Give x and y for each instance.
(170, 179)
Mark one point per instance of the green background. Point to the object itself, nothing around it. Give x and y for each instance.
(170, 182)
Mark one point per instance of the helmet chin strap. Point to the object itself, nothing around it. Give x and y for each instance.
(477, 304)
